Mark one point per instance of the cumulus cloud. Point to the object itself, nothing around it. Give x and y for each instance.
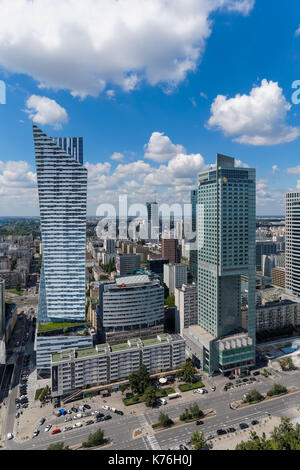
(43, 110)
(275, 169)
(240, 164)
(255, 119)
(84, 46)
(294, 171)
(117, 156)
(160, 148)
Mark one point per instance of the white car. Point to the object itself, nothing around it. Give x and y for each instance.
(78, 416)
(213, 388)
(77, 425)
(10, 436)
(35, 433)
(48, 427)
(105, 407)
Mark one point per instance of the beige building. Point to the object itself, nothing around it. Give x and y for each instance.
(274, 315)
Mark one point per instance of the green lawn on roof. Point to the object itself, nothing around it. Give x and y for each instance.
(57, 326)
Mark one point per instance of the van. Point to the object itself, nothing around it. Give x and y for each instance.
(162, 401)
(174, 395)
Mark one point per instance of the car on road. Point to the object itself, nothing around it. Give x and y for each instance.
(55, 431)
(10, 436)
(243, 426)
(90, 421)
(221, 432)
(99, 419)
(119, 412)
(105, 407)
(245, 380)
(230, 430)
(77, 425)
(182, 447)
(254, 422)
(48, 427)
(238, 381)
(225, 388)
(107, 417)
(210, 437)
(36, 432)
(67, 428)
(88, 407)
(199, 422)
(213, 388)
(256, 373)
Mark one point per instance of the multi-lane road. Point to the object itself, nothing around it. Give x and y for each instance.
(120, 428)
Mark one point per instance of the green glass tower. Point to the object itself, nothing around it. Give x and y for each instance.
(226, 251)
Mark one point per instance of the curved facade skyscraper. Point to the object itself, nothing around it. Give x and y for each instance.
(62, 189)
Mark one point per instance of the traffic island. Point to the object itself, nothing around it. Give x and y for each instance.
(240, 404)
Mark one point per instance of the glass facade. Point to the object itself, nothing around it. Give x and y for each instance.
(62, 189)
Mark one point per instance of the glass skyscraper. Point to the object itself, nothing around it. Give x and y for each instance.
(62, 189)
(193, 253)
(292, 240)
(226, 251)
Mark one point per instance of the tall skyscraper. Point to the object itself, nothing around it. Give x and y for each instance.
(292, 243)
(226, 251)
(62, 189)
(153, 221)
(193, 253)
(2, 307)
(71, 145)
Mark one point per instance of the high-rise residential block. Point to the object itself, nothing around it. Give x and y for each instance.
(186, 302)
(174, 276)
(62, 189)
(226, 251)
(292, 243)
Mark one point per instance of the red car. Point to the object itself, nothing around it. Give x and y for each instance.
(55, 431)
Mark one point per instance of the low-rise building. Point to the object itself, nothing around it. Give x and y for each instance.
(104, 364)
(274, 315)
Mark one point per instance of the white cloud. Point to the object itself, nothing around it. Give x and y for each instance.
(160, 148)
(43, 110)
(275, 169)
(117, 156)
(297, 32)
(255, 119)
(83, 46)
(294, 171)
(240, 164)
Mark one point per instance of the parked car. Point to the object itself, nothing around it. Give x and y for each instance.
(221, 432)
(254, 422)
(199, 422)
(256, 373)
(210, 437)
(67, 428)
(229, 430)
(243, 426)
(99, 419)
(107, 417)
(69, 418)
(105, 407)
(75, 409)
(86, 406)
(48, 427)
(36, 432)
(42, 421)
(182, 447)
(119, 412)
(10, 436)
(90, 421)
(213, 388)
(56, 431)
(77, 425)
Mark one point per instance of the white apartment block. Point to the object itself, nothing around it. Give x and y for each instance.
(174, 276)
(186, 301)
(104, 364)
(274, 315)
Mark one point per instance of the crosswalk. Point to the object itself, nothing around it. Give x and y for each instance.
(150, 440)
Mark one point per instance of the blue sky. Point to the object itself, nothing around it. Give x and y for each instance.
(144, 90)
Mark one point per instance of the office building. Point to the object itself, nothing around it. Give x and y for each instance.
(71, 145)
(127, 264)
(186, 302)
(130, 306)
(264, 248)
(267, 264)
(174, 276)
(62, 190)
(156, 265)
(153, 221)
(194, 253)
(109, 246)
(278, 277)
(170, 249)
(226, 251)
(107, 363)
(2, 307)
(292, 242)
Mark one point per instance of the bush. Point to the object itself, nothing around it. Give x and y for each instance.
(191, 413)
(95, 439)
(277, 390)
(253, 397)
(165, 420)
(58, 446)
(189, 386)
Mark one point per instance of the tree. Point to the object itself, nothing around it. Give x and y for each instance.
(149, 396)
(165, 420)
(58, 446)
(253, 397)
(192, 412)
(277, 390)
(94, 439)
(198, 440)
(287, 364)
(139, 380)
(170, 301)
(123, 387)
(188, 371)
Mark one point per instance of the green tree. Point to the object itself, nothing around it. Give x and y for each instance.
(165, 420)
(123, 388)
(188, 371)
(149, 396)
(139, 380)
(170, 301)
(198, 440)
(58, 446)
(253, 397)
(277, 390)
(94, 439)
(287, 364)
